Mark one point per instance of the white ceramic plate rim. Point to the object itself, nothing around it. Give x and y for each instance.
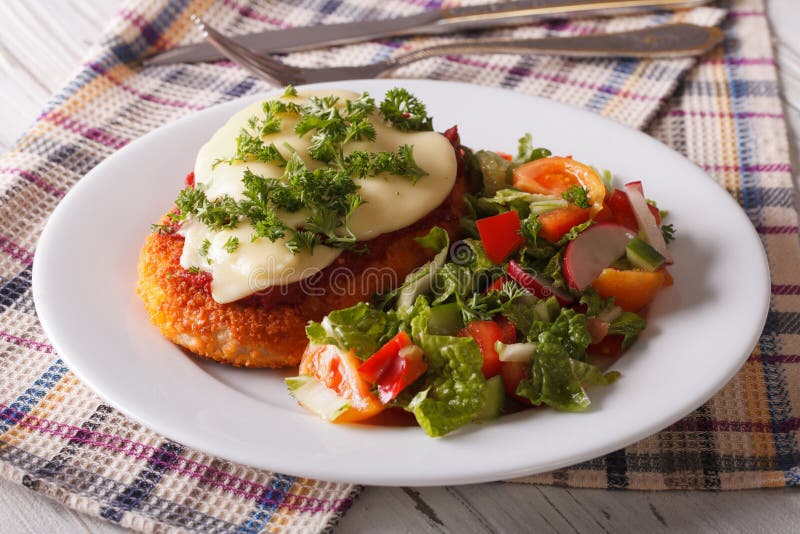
(110, 345)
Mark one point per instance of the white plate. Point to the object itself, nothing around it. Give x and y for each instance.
(700, 330)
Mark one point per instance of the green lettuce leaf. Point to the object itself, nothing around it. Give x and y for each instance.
(573, 233)
(568, 330)
(527, 152)
(557, 380)
(591, 375)
(629, 325)
(552, 381)
(595, 304)
(436, 239)
(453, 391)
(361, 328)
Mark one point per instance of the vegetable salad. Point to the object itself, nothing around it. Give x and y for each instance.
(546, 288)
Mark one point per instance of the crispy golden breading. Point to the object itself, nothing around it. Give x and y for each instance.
(268, 329)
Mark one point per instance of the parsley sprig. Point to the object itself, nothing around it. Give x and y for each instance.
(404, 111)
(577, 195)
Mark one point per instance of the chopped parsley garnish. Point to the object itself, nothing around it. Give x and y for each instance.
(231, 244)
(668, 231)
(328, 192)
(289, 91)
(194, 270)
(163, 229)
(204, 247)
(403, 111)
(576, 195)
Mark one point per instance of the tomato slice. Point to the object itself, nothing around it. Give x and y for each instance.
(558, 222)
(486, 334)
(497, 285)
(605, 214)
(632, 290)
(507, 329)
(554, 175)
(338, 370)
(500, 235)
(610, 347)
(513, 373)
(620, 207)
(376, 365)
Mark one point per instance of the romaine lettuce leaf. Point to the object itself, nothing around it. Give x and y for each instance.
(573, 233)
(559, 369)
(420, 281)
(455, 387)
(595, 304)
(553, 381)
(568, 330)
(527, 152)
(453, 391)
(557, 380)
(436, 239)
(629, 325)
(361, 328)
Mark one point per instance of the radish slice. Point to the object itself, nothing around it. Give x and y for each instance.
(593, 250)
(637, 185)
(647, 223)
(540, 286)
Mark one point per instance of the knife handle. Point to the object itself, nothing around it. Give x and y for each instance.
(526, 11)
(667, 41)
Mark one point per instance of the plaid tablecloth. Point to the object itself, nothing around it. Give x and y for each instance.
(60, 439)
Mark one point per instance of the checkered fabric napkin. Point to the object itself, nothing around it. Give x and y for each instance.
(60, 439)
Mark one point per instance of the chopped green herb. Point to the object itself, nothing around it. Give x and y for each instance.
(194, 270)
(668, 231)
(329, 193)
(204, 247)
(289, 91)
(231, 244)
(576, 195)
(163, 229)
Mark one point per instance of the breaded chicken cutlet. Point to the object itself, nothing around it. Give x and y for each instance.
(268, 329)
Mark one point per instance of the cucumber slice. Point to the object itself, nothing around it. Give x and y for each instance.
(515, 352)
(495, 398)
(317, 397)
(643, 256)
(446, 320)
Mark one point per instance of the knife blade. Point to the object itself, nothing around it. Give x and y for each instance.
(426, 23)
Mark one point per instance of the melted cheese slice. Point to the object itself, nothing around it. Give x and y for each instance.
(391, 202)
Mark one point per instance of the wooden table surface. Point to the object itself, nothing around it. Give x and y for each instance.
(41, 43)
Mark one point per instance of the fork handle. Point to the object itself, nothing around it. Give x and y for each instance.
(667, 41)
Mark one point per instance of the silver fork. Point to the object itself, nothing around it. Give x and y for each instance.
(667, 41)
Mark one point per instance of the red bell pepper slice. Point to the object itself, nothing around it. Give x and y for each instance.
(486, 334)
(375, 366)
(394, 367)
(500, 235)
(401, 372)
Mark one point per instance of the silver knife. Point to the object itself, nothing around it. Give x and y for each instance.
(435, 21)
